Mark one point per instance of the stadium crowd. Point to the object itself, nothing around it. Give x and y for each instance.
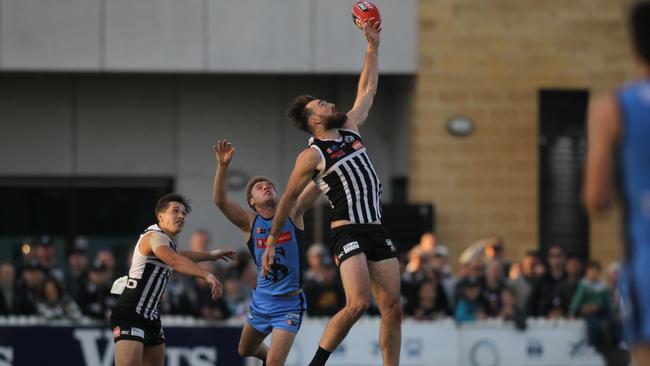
(487, 285)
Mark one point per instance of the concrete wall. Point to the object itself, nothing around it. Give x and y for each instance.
(208, 36)
(165, 125)
(488, 60)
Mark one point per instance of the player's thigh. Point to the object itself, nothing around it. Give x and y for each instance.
(128, 353)
(154, 355)
(355, 277)
(250, 339)
(385, 281)
(281, 342)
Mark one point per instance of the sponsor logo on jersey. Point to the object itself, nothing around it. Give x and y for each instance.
(261, 230)
(332, 149)
(357, 145)
(337, 154)
(285, 237)
(137, 332)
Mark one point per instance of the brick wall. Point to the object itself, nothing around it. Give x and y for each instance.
(487, 59)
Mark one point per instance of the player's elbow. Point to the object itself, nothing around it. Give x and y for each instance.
(596, 202)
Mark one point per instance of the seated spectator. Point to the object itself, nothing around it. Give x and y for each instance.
(8, 292)
(509, 310)
(524, 281)
(317, 259)
(540, 302)
(77, 266)
(205, 307)
(325, 297)
(46, 255)
(94, 296)
(27, 287)
(53, 304)
(492, 288)
(236, 295)
(106, 256)
(564, 291)
(443, 272)
(470, 305)
(592, 301)
(431, 302)
(495, 251)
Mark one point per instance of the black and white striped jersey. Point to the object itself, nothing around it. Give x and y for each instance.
(348, 179)
(147, 280)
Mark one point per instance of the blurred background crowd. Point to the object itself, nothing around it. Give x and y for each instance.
(485, 284)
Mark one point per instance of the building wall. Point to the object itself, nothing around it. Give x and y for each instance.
(488, 60)
(206, 36)
(128, 125)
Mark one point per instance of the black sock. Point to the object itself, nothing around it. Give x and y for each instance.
(320, 357)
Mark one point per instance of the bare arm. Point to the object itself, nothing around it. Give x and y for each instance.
(306, 163)
(158, 244)
(225, 254)
(368, 79)
(234, 212)
(305, 201)
(603, 133)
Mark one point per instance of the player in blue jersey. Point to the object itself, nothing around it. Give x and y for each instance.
(619, 144)
(278, 303)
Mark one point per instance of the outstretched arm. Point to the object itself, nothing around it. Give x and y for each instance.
(235, 213)
(369, 78)
(603, 133)
(225, 254)
(305, 201)
(306, 164)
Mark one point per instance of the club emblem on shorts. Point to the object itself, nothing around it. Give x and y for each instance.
(292, 322)
(116, 332)
(137, 332)
(390, 244)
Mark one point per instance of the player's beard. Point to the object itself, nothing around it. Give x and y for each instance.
(336, 121)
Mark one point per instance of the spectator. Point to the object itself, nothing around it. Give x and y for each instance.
(565, 290)
(470, 305)
(205, 307)
(52, 303)
(509, 310)
(177, 299)
(200, 241)
(431, 302)
(523, 283)
(236, 295)
(427, 243)
(495, 251)
(106, 256)
(31, 279)
(325, 297)
(492, 289)
(8, 299)
(540, 302)
(593, 302)
(317, 260)
(77, 266)
(46, 255)
(440, 263)
(94, 297)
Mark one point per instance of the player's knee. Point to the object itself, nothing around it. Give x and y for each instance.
(245, 351)
(394, 310)
(358, 307)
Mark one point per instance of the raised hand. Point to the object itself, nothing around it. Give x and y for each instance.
(224, 151)
(216, 289)
(371, 30)
(225, 254)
